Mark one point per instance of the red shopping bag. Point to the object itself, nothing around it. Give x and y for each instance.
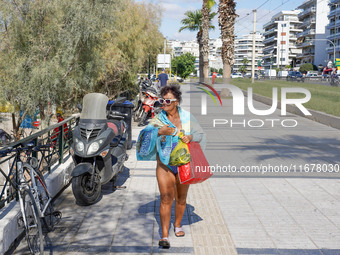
(197, 170)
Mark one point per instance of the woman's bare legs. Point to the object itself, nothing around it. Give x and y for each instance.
(181, 193)
(166, 183)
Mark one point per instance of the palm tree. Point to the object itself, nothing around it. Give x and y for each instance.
(243, 69)
(226, 20)
(193, 22)
(205, 40)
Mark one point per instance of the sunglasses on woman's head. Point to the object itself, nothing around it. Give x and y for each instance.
(166, 101)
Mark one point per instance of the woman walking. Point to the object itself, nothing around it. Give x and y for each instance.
(165, 128)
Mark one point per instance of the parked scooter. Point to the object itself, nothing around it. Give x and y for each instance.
(99, 148)
(144, 85)
(150, 106)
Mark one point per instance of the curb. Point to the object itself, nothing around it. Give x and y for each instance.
(56, 181)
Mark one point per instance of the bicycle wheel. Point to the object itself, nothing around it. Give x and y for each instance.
(50, 217)
(32, 222)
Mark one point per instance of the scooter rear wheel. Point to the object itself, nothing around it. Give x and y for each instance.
(82, 190)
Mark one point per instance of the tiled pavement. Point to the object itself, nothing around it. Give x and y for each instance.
(229, 214)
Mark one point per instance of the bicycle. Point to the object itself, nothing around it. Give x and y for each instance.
(335, 81)
(38, 215)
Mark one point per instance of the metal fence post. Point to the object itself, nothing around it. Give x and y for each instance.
(61, 144)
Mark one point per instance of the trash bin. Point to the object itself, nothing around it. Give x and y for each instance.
(125, 107)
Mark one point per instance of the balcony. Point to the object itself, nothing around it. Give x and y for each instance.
(307, 12)
(269, 48)
(305, 3)
(335, 10)
(307, 44)
(331, 49)
(270, 23)
(333, 36)
(270, 39)
(270, 31)
(307, 22)
(299, 56)
(309, 54)
(306, 32)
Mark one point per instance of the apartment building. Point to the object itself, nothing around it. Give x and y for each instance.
(215, 49)
(280, 35)
(333, 29)
(182, 47)
(244, 49)
(313, 17)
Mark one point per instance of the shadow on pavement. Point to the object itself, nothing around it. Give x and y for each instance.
(189, 216)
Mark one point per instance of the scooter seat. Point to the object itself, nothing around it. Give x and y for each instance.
(116, 126)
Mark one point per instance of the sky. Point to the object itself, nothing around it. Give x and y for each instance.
(173, 13)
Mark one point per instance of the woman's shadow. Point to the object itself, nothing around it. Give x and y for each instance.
(189, 216)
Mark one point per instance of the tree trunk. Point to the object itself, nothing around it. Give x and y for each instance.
(226, 70)
(199, 40)
(205, 39)
(226, 20)
(42, 112)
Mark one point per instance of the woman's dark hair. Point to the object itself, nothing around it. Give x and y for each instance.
(174, 90)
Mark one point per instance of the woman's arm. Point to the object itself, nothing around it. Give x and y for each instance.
(166, 130)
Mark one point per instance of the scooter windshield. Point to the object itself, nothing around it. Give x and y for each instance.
(94, 106)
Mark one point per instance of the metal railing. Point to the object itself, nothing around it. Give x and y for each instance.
(58, 136)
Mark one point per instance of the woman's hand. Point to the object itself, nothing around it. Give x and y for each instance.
(166, 130)
(186, 138)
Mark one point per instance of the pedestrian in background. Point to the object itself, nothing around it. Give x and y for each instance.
(163, 79)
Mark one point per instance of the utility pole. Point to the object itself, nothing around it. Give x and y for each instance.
(336, 13)
(254, 44)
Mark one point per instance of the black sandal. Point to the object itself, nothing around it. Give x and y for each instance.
(164, 242)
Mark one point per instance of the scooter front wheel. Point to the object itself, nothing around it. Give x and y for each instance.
(143, 119)
(83, 191)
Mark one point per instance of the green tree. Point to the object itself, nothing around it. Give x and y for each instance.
(243, 69)
(184, 65)
(193, 22)
(57, 51)
(307, 67)
(220, 71)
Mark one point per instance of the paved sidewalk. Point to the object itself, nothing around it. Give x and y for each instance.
(126, 221)
(232, 213)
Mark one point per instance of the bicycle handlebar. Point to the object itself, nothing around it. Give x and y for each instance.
(30, 147)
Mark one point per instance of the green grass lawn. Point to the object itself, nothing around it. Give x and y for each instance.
(324, 98)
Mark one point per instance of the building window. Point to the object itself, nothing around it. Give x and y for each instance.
(282, 59)
(283, 34)
(283, 42)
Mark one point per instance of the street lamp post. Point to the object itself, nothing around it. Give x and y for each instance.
(330, 41)
(335, 17)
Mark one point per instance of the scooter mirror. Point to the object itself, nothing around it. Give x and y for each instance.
(79, 107)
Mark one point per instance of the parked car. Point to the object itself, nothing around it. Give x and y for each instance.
(236, 75)
(312, 75)
(179, 79)
(295, 76)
